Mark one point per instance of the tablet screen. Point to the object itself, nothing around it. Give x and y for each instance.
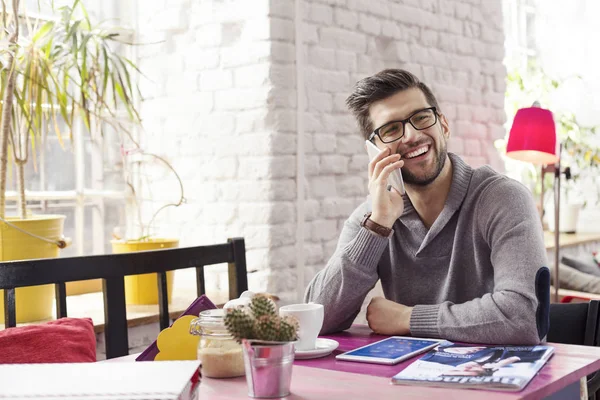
(392, 348)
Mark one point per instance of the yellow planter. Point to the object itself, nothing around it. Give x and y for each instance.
(82, 287)
(34, 303)
(143, 289)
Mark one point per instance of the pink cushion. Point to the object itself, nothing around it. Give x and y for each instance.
(60, 341)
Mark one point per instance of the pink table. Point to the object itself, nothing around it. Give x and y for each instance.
(328, 379)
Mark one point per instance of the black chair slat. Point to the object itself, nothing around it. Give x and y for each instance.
(60, 293)
(200, 283)
(163, 300)
(238, 277)
(115, 318)
(10, 312)
(577, 323)
(592, 323)
(568, 323)
(593, 385)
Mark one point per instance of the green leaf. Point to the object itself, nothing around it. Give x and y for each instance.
(38, 103)
(83, 71)
(63, 100)
(129, 87)
(47, 27)
(71, 119)
(86, 117)
(72, 32)
(84, 11)
(114, 90)
(127, 102)
(105, 72)
(120, 92)
(132, 65)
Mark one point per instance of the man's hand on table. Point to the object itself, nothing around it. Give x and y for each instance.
(387, 317)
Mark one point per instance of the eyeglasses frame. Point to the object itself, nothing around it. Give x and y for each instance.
(403, 122)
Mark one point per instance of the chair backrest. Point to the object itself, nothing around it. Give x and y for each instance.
(112, 269)
(574, 323)
(577, 323)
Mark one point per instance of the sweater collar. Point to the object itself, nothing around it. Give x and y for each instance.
(461, 177)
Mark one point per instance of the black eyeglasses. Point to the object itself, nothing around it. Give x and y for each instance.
(394, 130)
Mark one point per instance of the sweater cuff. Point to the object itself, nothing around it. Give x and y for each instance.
(424, 321)
(367, 247)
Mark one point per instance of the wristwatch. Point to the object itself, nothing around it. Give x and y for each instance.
(374, 226)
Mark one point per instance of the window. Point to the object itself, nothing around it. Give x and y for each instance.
(520, 31)
(82, 179)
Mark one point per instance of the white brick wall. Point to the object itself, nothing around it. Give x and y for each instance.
(223, 100)
(220, 105)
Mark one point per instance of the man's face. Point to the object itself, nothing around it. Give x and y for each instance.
(424, 151)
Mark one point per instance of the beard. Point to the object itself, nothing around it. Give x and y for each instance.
(430, 176)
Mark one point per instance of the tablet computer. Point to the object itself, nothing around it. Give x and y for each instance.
(390, 351)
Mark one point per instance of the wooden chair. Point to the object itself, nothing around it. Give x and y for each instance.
(112, 269)
(577, 323)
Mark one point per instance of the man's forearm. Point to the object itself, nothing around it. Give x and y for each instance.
(498, 318)
(343, 284)
(387, 317)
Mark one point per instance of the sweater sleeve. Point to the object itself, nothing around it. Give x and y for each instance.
(349, 275)
(509, 223)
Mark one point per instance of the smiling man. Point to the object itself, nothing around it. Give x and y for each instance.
(460, 256)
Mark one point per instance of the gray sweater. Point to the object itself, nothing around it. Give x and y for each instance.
(470, 277)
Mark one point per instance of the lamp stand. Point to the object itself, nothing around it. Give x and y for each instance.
(544, 168)
(556, 226)
(556, 169)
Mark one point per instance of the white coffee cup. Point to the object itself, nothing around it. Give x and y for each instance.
(310, 321)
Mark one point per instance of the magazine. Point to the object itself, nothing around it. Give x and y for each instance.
(479, 367)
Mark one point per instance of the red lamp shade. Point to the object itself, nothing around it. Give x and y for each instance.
(533, 136)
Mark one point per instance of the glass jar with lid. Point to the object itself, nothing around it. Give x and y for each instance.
(220, 353)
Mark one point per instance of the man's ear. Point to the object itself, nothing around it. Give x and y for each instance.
(445, 126)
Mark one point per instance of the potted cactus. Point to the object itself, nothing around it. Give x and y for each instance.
(268, 346)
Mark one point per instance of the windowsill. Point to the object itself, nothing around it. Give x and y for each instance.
(570, 239)
(577, 295)
(91, 305)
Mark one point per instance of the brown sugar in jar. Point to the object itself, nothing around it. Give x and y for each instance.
(221, 355)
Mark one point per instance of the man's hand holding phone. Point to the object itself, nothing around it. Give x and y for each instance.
(387, 204)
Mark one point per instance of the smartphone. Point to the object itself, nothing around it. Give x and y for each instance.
(390, 351)
(395, 178)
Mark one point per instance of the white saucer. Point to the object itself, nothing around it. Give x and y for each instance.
(323, 348)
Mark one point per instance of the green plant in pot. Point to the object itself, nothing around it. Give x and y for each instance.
(580, 161)
(268, 346)
(58, 72)
(141, 289)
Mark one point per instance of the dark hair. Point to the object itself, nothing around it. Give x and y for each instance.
(381, 86)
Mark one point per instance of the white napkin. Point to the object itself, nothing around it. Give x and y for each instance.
(242, 301)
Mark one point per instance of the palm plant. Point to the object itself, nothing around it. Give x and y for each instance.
(57, 75)
(61, 70)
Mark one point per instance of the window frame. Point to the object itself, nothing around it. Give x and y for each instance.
(516, 12)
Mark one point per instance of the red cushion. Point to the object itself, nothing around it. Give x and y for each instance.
(60, 341)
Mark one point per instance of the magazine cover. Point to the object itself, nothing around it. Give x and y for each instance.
(484, 367)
